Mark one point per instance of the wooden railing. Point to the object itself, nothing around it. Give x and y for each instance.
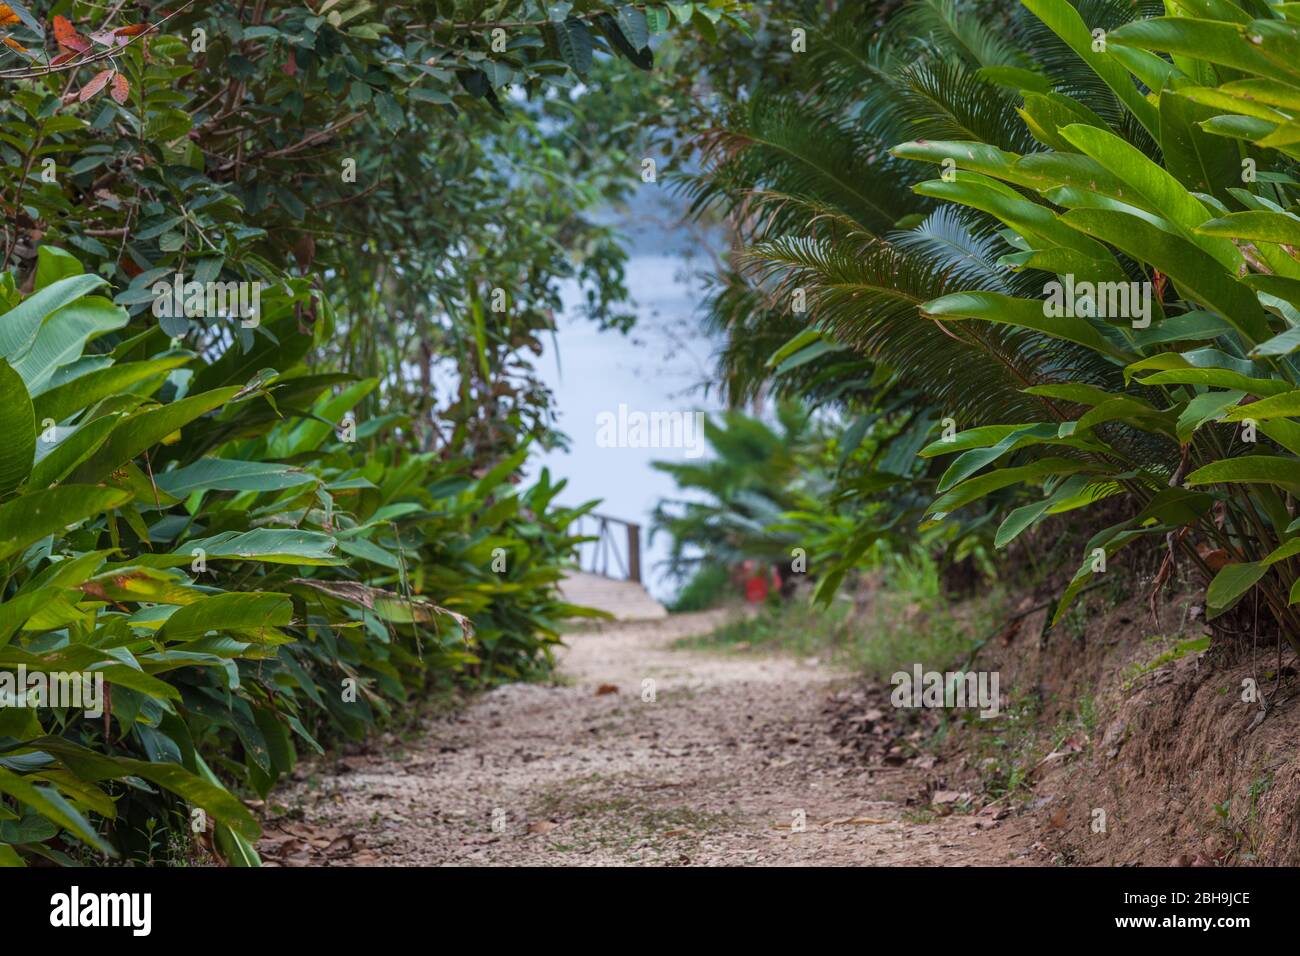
(615, 544)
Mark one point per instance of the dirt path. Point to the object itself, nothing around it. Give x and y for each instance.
(713, 771)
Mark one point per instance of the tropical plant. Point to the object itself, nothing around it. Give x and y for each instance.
(241, 576)
(733, 498)
(1101, 154)
(264, 533)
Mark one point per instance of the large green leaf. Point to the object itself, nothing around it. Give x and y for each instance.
(1230, 585)
(1022, 313)
(1153, 183)
(1285, 405)
(1215, 41)
(1064, 20)
(50, 804)
(18, 425)
(274, 545)
(1201, 162)
(70, 451)
(1250, 469)
(242, 612)
(1255, 225)
(1216, 378)
(215, 799)
(64, 335)
(1030, 219)
(31, 517)
(975, 488)
(387, 605)
(226, 474)
(61, 402)
(1198, 274)
(19, 326)
(147, 428)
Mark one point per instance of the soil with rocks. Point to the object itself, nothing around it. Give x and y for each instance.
(646, 753)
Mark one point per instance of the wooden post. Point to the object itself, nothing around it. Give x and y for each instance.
(634, 552)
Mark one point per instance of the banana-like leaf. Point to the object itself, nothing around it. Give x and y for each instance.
(1230, 585)
(1064, 20)
(20, 325)
(1025, 314)
(31, 517)
(50, 804)
(975, 488)
(18, 425)
(141, 431)
(226, 474)
(82, 392)
(1285, 405)
(1214, 41)
(236, 611)
(1249, 469)
(63, 336)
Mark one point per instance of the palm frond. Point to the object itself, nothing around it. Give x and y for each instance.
(944, 99)
(801, 151)
(956, 30)
(869, 295)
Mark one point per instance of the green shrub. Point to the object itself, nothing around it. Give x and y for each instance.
(935, 192)
(242, 578)
(708, 587)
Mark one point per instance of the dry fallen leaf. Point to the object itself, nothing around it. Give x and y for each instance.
(342, 845)
(604, 689)
(1215, 558)
(542, 826)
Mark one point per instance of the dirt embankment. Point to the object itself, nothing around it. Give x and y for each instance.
(1152, 756)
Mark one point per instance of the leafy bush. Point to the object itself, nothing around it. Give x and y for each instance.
(242, 577)
(1074, 148)
(263, 533)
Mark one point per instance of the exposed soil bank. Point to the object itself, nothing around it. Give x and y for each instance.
(1179, 768)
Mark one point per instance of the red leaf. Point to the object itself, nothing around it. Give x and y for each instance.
(68, 37)
(64, 57)
(95, 85)
(290, 66)
(121, 88)
(120, 36)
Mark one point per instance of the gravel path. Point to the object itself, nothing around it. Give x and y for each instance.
(718, 769)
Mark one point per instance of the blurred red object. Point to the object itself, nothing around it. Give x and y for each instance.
(758, 581)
